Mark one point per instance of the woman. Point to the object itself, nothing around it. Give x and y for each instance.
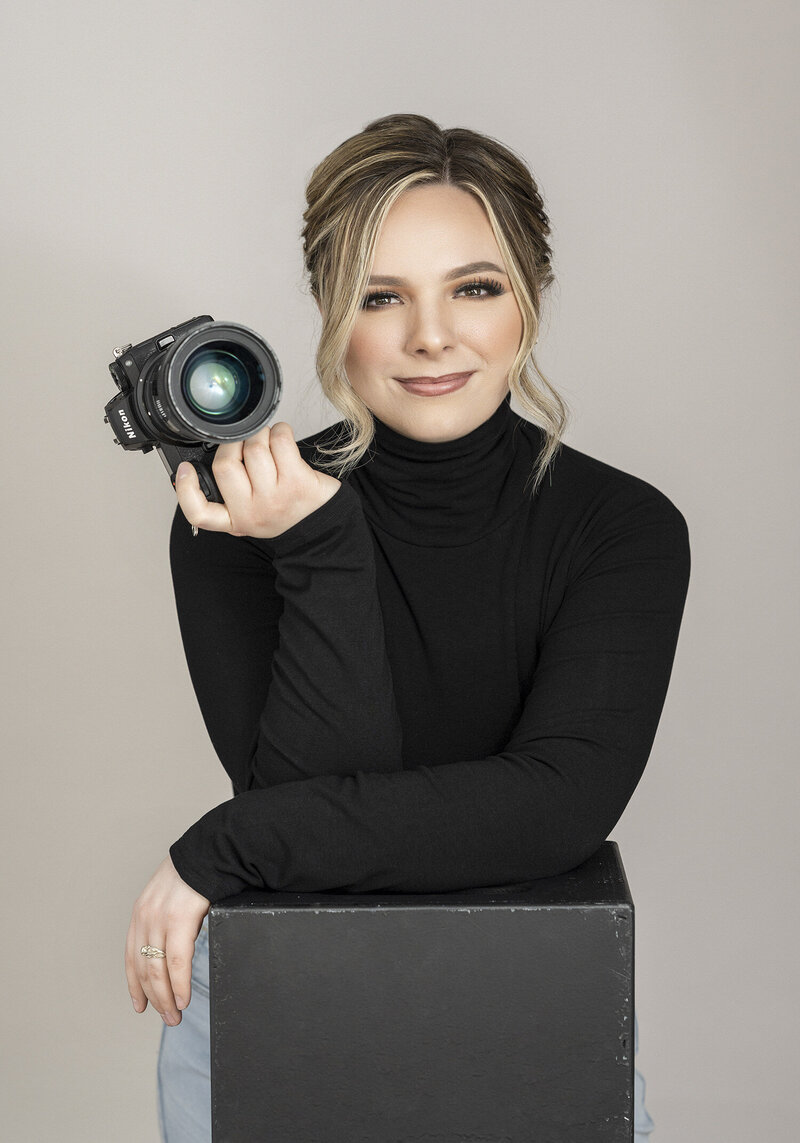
(443, 666)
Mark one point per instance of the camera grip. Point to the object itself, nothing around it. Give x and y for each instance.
(201, 456)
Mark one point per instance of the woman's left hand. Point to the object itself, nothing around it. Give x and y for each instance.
(168, 915)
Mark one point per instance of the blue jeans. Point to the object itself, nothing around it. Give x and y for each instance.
(184, 1067)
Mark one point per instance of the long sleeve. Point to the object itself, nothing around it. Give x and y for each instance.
(535, 808)
(269, 627)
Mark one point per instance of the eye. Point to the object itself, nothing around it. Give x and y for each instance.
(493, 289)
(375, 298)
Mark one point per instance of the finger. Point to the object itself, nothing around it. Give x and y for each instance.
(232, 478)
(154, 979)
(179, 965)
(197, 510)
(135, 989)
(283, 446)
(260, 461)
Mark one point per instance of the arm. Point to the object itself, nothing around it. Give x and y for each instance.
(270, 628)
(537, 808)
(315, 546)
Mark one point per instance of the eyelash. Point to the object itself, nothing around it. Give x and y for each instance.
(492, 287)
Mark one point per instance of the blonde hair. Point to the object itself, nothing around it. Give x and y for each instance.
(350, 194)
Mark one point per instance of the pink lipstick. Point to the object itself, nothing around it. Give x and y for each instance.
(434, 386)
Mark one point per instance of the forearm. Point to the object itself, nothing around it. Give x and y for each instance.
(432, 829)
(331, 706)
(285, 646)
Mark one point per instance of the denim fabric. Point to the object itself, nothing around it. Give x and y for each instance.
(184, 1062)
(184, 1067)
(642, 1123)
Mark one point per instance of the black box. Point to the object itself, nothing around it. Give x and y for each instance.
(499, 1015)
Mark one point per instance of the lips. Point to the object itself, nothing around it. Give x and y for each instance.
(433, 380)
(434, 386)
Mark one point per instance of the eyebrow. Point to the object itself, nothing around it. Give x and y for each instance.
(458, 272)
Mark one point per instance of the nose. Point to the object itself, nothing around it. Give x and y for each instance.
(430, 328)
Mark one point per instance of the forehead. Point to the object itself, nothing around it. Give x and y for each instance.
(436, 227)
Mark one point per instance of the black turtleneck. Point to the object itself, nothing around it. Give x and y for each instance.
(434, 681)
(449, 493)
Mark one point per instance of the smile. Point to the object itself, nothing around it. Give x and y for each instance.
(435, 386)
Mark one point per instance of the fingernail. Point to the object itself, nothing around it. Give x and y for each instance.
(182, 470)
(180, 1003)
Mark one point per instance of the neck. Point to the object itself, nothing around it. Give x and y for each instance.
(441, 492)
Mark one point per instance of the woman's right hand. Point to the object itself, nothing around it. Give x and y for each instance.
(265, 483)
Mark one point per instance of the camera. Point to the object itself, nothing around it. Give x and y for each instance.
(190, 388)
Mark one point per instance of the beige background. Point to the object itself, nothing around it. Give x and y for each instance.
(153, 163)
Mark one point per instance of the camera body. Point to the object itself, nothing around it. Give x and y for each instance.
(189, 389)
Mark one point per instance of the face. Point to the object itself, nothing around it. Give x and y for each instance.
(428, 315)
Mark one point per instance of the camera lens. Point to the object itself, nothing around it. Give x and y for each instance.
(216, 383)
(221, 382)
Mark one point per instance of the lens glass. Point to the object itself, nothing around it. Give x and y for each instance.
(216, 383)
(216, 387)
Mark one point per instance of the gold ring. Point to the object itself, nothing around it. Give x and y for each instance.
(149, 951)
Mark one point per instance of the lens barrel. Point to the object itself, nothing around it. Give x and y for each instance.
(221, 382)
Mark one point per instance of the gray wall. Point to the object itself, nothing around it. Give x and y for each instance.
(153, 163)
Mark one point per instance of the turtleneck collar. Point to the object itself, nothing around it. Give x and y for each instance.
(443, 493)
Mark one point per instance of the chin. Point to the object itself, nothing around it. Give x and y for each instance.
(438, 425)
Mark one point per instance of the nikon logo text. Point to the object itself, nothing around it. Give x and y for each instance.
(126, 425)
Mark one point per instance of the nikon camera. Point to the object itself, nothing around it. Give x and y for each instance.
(187, 390)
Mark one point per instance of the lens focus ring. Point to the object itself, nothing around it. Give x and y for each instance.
(221, 382)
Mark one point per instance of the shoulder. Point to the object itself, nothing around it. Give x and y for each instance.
(585, 487)
(609, 515)
(596, 516)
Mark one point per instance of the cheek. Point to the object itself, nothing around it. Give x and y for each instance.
(364, 349)
(498, 336)
(510, 332)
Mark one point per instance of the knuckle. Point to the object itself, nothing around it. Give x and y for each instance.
(257, 444)
(223, 463)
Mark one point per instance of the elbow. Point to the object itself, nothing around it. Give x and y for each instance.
(563, 858)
